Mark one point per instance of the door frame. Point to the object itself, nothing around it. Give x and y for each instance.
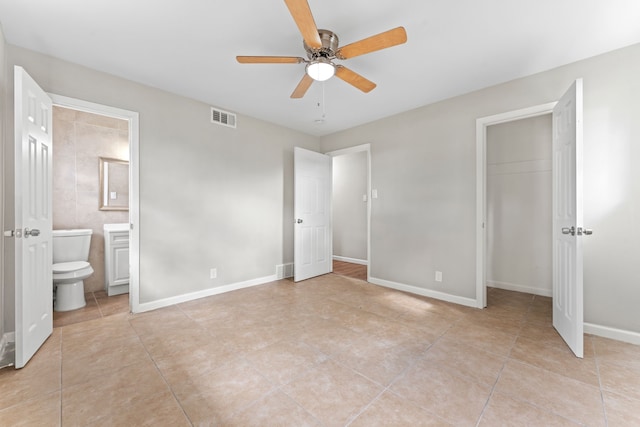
(357, 149)
(132, 118)
(481, 186)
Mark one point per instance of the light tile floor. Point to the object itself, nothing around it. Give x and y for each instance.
(330, 351)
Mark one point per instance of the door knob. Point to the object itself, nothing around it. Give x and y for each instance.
(567, 230)
(35, 232)
(299, 221)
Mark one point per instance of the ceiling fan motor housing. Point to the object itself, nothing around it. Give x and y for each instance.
(329, 47)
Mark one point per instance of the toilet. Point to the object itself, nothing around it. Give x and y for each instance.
(70, 268)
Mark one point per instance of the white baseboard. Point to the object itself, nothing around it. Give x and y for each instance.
(425, 292)
(148, 306)
(520, 288)
(351, 260)
(612, 333)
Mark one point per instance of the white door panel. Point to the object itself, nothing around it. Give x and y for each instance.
(33, 187)
(567, 218)
(312, 210)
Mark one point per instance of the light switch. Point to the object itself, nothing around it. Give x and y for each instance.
(374, 194)
(113, 195)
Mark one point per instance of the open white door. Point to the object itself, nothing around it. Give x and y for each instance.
(567, 218)
(33, 187)
(312, 213)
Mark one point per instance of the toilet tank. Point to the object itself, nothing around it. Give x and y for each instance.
(71, 245)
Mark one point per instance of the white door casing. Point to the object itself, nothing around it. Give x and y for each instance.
(567, 218)
(312, 213)
(33, 206)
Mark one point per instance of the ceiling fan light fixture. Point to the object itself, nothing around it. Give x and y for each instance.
(321, 69)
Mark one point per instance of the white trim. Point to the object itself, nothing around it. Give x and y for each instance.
(481, 186)
(147, 306)
(612, 333)
(356, 149)
(519, 288)
(351, 260)
(134, 182)
(469, 302)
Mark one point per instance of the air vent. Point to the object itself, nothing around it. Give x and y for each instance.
(223, 118)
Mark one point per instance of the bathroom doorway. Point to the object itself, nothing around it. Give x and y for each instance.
(86, 137)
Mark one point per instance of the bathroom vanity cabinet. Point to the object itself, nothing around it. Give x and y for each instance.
(116, 258)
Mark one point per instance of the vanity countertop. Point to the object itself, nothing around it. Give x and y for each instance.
(117, 227)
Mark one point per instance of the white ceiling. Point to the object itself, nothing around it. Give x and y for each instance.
(188, 47)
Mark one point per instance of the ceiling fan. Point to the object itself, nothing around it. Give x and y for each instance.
(322, 49)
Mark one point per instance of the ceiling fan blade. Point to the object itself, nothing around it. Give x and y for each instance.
(354, 79)
(301, 13)
(269, 59)
(371, 44)
(302, 87)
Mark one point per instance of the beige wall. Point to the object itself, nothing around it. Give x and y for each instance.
(519, 205)
(210, 196)
(349, 211)
(79, 140)
(423, 166)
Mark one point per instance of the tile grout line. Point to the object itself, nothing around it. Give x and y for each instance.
(155, 365)
(597, 362)
(504, 364)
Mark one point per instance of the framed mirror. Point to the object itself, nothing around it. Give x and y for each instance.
(114, 184)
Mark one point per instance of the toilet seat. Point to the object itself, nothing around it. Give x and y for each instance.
(65, 267)
(72, 270)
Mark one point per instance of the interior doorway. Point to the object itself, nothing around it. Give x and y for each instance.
(351, 207)
(518, 205)
(113, 120)
(482, 125)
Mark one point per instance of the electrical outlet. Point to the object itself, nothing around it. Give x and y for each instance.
(213, 273)
(438, 276)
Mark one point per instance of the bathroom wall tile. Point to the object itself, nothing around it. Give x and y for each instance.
(93, 141)
(64, 173)
(102, 121)
(65, 114)
(87, 173)
(64, 209)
